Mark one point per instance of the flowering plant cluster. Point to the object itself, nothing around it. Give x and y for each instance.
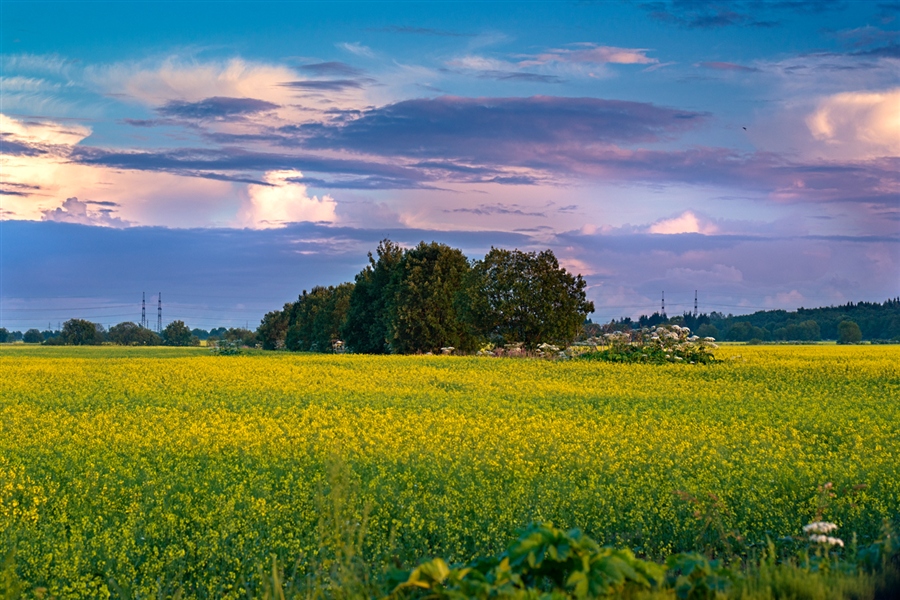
(658, 344)
(817, 531)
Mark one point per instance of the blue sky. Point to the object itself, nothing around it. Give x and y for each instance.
(230, 155)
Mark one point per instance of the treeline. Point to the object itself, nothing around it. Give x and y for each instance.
(80, 332)
(851, 322)
(431, 298)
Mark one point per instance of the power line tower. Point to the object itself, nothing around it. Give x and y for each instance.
(144, 310)
(695, 304)
(159, 316)
(662, 310)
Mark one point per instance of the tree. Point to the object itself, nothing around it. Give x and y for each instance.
(368, 325)
(78, 332)
(33, 336)
(177, 333)
(849, 333)
(524, 297)
(273, 328)
(317, 318)
(4, 335)
(132, 334)
(423, 310)
(240, 336)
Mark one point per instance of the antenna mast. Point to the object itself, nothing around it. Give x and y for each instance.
(144, 310)
(695, 304)
(159, 315)
(663, 309)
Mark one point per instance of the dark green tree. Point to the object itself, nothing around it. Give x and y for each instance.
(177, 333)
(272, 330)
(33, 336)
(4, 335)
(368, 326)
(524, 297)
(317, 318)
(423, 309)
(240, 337)
(78, 332)
(849, 333)
(132, 334)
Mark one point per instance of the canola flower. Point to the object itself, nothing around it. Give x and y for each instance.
(159, 468)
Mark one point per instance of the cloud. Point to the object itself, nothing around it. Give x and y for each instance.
(727, 66)
(284, 201)
(714, 14)
(333, 85)
(859, 125)
(499, 128)
(74, 210)
(687, 222)
(592, 54)
(357, 49)
(217, 107)
(332, 69)
(717, 273)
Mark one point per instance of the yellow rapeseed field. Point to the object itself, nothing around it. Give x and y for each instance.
(159, 468)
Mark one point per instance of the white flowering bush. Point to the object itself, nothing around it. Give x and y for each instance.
(658, 344)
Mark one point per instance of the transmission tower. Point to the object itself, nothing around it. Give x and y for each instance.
(159, 315)
(144, 310)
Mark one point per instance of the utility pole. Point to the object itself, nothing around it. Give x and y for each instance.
(143, 310)
(159, 316)
(663, 309)
(695, 304)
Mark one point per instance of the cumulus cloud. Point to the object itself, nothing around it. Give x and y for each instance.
(686, 222)
(859, 125)
(89, 212)
(282, 201)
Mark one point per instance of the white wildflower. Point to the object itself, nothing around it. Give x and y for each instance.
(819, 527)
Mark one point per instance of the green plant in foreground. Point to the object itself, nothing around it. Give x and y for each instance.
(543, 558)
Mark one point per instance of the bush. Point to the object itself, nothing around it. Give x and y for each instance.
(656, 345)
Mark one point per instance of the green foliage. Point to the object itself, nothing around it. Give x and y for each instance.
(524, 297)
(78, 332)
(33, 336)
(422, 309)
(177, 333)
(568, 564)
(317, 317)
(653, 345)
(848, 333)
(272, 331)
(368, 326)
(5, 336)
(131, 334)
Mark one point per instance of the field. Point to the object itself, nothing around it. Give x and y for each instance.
(145, 471)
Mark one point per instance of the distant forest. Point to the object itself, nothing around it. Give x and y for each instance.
(876, 322)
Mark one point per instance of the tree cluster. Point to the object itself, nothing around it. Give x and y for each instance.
(431, 297)
(848, 323)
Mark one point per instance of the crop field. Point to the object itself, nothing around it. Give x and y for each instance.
(151, 470)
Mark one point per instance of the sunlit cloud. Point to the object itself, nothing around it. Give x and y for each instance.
(687, 222)
(282, 202)
(858, 125)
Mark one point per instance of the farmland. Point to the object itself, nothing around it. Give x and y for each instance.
(164, 469)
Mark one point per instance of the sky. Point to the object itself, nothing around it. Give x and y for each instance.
(226, 155)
